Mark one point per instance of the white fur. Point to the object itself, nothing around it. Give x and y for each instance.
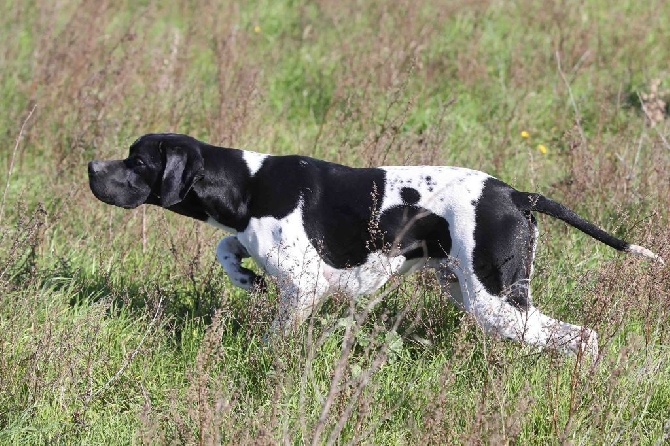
(229, 253)
(642, 251)
(254, 160)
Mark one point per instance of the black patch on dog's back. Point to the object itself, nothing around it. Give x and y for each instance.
(277, 186)
(337, 202)
(338, 212)
(503, 244)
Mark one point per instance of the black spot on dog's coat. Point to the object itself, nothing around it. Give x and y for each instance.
(410, 195)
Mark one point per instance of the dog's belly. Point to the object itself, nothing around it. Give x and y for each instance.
(370, 276)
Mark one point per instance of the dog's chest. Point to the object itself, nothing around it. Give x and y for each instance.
(279, 244)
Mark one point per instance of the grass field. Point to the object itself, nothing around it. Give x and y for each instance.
(119, 327)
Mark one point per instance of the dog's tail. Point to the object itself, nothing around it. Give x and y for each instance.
(537, 202)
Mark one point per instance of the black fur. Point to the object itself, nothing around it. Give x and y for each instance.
(537, 202)
(504, 237)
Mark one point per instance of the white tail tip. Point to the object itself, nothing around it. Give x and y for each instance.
(642, 251)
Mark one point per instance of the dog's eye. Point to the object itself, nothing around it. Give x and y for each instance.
(133, 162)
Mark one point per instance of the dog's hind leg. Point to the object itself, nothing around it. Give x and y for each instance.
(495, 277)
(498, 315)
(502, 315)
(229, 253)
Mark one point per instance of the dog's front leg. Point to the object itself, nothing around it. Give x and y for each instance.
(297, 301)
(229, 253)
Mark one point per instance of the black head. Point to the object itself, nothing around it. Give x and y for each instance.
(160, 169)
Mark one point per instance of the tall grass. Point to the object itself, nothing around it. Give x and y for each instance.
(119, 327)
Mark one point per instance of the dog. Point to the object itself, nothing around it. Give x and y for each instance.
(320, 228)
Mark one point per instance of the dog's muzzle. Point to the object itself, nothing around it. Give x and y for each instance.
(112, 183)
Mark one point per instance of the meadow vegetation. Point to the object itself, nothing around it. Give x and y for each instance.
(119, 327)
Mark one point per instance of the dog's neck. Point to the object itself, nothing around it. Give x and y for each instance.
(224, 170)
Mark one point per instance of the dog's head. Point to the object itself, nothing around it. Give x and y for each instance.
(160, 169)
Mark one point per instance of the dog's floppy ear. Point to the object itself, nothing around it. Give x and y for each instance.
(183, 167)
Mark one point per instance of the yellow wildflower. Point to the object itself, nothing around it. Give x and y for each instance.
(257, 29)
(525, 134)
(542, 149)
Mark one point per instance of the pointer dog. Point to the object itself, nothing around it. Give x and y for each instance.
(320, 227)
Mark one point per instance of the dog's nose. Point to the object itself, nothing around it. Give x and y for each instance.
(93, 168)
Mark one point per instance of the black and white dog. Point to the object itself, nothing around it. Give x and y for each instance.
(320, 227)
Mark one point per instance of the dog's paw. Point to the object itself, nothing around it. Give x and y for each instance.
(574, 340)
(249, 280)
(587, 344)
(258, 284)
(583, 344)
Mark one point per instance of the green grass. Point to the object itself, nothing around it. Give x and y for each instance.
(118, 327)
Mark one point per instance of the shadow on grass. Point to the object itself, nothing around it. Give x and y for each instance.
(428, 320)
